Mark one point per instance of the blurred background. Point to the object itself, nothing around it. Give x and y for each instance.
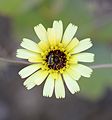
(17, 19)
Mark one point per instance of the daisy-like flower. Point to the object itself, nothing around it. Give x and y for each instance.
(56, 59)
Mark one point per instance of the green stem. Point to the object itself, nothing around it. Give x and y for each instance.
(98, 66)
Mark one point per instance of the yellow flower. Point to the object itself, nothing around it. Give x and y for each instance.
(55, 59)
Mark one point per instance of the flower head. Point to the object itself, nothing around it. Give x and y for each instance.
(55, 59)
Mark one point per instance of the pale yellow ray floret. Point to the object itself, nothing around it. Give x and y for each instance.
(27, 71)
(41, 32)
(69, 33)
(72, 44)
(71, 83)
(31, 56)
(44, 46)
(36, 59)
(24, 54)
(55, 75)
(30, 45)
(29, 84)
(58, 28)
(83, 70)
(51, 37)
(85, 57)
(73, 73)
(59, 88)
(38, 77)
(48, 87)
(83, 45)
(82, 57)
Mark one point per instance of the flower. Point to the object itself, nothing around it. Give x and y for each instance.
(55, 59)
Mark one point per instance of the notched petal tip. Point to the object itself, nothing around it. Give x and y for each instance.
(85, 57)
(83, 45)
(60, 21)
(69, 33)
(20, 75)
(28, 84)
(35, 27)
(75, 91)
(76, 27)
(93, 57)
(60, 97)
(47, 95)
(24, 41)
(18, 52)
(27, 88)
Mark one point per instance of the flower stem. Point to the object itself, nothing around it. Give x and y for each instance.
(98, 66)
(13, 61)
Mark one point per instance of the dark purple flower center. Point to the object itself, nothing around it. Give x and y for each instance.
(56, 59)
